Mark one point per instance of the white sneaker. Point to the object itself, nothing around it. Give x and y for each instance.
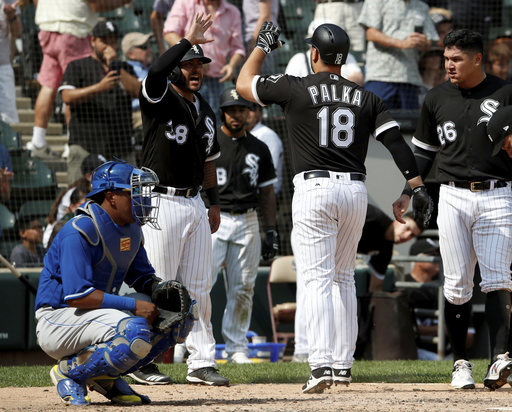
(462, 375)
(239, 357)
(498, 372)
(65, 153)
(180, 350)
(43, 153)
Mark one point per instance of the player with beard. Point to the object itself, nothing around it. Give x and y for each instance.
(180, 145)
(246, 177)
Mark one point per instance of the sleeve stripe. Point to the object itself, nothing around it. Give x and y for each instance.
(424, 146)
(268, 182)
(79, 295)
(149, 99)
(385, 126)
(254, 91)
(213, 157)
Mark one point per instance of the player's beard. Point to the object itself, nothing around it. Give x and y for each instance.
(234, 129)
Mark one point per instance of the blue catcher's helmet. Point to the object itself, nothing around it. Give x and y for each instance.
(121, 176)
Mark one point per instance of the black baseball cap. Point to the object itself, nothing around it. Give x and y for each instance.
(91, 162)
(499, 127)
(425, 245)
(105, 28)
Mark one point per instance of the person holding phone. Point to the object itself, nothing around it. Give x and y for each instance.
(99, 90)
(398, 32)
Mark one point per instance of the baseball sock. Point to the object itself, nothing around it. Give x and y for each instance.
(457, 323)
(497, 315)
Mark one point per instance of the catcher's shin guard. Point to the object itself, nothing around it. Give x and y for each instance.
(130, 345)
(163, 340)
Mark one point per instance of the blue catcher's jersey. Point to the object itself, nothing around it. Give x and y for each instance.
(91, 252)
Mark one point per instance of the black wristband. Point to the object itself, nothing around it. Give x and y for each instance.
(213, 195)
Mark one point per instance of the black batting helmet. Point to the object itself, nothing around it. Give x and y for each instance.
(195, 52)
(332, 43)
(230, 97)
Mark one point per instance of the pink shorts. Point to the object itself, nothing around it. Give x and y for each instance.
(58, 51)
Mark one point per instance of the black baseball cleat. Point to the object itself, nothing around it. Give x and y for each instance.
(150, 375)
(207, 376)
(320, 379)
(341, 376)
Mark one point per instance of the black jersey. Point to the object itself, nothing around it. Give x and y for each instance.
(329, 119)
(177, 139)
(373, 241)
(454, 121)
(245, 165)
(102, 124)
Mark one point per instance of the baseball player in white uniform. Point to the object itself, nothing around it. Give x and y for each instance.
(329, 120)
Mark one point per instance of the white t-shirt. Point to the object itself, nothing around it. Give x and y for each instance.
(299, 65)
(74, 17)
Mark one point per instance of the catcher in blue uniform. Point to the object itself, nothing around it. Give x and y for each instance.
(96, 335)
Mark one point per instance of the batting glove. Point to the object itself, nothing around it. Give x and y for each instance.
(268, 38)
(269, 245)
(422, 206)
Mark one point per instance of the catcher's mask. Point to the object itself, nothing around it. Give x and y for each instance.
(121, 176)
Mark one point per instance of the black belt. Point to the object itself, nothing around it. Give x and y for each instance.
(189, 192)
(479, 186)
(239, 211)
(324, 173)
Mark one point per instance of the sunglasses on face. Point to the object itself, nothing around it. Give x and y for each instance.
(143, 46)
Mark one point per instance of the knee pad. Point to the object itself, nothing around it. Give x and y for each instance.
(130, 344)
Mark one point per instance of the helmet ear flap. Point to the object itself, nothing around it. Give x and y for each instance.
(175, 75)
(221, 115)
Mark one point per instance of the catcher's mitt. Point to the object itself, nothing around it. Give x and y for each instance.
(174, 302)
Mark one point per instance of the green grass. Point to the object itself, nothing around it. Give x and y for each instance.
(281, 372)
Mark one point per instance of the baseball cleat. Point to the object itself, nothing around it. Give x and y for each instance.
(150, 375)
(117, 390)
(320, 379)
(462, 375)
(72, 393)
(498, 372)
(239, 357)
(207, 376)
(341, 376)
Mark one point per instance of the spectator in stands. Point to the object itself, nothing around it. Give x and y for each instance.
(160, 10)
(10, 26)
(62, 204)
(226, 30)
(99, 90)
(432, 71)
(397, 31)
(380, 234)
(497, 57)
(270, 138)
(139, 53)
(30, 252)
(300, 64)
(345, 15)
(255, 13)
(427, 298)
(442, 18)
(64, 36)
(77, 198)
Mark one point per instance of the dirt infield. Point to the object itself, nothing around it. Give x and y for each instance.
(270, 397)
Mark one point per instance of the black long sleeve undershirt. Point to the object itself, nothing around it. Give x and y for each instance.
(401, 152)
(424, 160)
(156, 81)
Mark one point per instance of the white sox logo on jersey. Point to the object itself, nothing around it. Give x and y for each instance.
(210, 134)
(488, 106)
(252, 162)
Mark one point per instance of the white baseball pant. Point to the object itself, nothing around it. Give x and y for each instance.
(475, 226)
(238, 243)
(182, 250)
(328, 219)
